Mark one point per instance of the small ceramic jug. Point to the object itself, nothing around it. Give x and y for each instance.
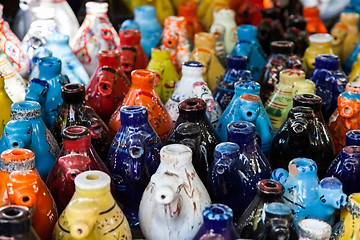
(6, 103)
(351, 20)
(169, 199)
(40, 52)
(21, 185)
(248, 45)
(96, 33)
(296, 33)
(305, 195)
(92, 212)
(314, 23)
(133, 157)
(352, 138)
(188, 9)
(26, 129)
(160, 63)
(314, 229)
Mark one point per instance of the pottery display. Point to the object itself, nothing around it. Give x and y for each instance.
(133, 157)
(313, 229)
(21, 185)
(95, 34)
(175, 197)
(26, 129)
(6, 103)
(314, 23)
(92, 212)
(188, 9)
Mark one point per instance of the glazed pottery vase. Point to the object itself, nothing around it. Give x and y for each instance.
(38, 53)
(132, 54)
(188, 9)
(246, 106)
(280, 101)
(176, 39)
(11, 46)
(15, 223)
(149, 27)
(319, 44)
(133, 157)
(351, 20)
(77, 155)
(23, 17)
(108, 85)
(226, 17)
(344, 118)
(142, 93)
(26, 129)
(218, 31)
(268, 191)
(204, 52)
(313, 229)
(21, 185)
(14, 84)
(338, 32)
(193, 110)
(58, 44)
(235, 71)
(302, 135)
(92, 212)
(48, 91)
(297, 34)
(314, 23)
(75, 111)
(5, 103)
(248, 45)
(218, 219)
(352, 138)
(282, 57)
(160, 63)
(329, 81)
(174, 198)
(355, 71)
(95, 34)
(305, 195)
(233, 176)
(192, 85)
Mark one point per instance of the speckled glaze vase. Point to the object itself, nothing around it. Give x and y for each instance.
(6, 103)
(108, 85)
(160, 63)
(92, 212)
(21, 185)
(133, 157)
(188, 9)
(26, 129)
(96, 33)
(77, 155)
(142, 93)
(173, 199)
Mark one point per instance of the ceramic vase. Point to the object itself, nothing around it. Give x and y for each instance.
(313, 229)
(133, 157)
(108, 85)
(218, 31)
(314, 23)
(132, 54)
(207, 9)
(160, 63)
(204, 52)
(188, 9)
(77, 155)
(297, 34)
(248, 45)
(351, 20)
(247, 12)
(15, 222)
(352, 138)
(168, 205)
(191, 85)
(26, 129)
(39, 53)
(149, 26)
(96, 33)
(6, 103)
(92, 212)
(23, 18)
(75, 111)
(218, 219)
(21, 185)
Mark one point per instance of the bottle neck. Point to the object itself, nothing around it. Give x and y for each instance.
(110, 58)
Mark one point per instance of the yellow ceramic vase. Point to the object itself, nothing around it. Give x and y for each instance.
(320, 43)
(338, 33)
(5, 103)
(355, 71)
(92, 213)
(204, 52)
(207, 9)
(351, 20)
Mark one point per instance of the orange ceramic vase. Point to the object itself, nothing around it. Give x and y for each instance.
(188, 10)
(142, 93)
(21, 185)
(314, 23)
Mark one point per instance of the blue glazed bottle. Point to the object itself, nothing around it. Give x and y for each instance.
(50, 71)
(329, 81)
(224, 92)
(218, 221)
(346, 167)
(133, 158)
(58, 44)
(149, 26)
(305, 195)
(40, 52)
(26, 129)
(352, 138)
(247, 106)
(248, 45)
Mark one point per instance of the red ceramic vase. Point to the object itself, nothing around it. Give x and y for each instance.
(188, 10)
